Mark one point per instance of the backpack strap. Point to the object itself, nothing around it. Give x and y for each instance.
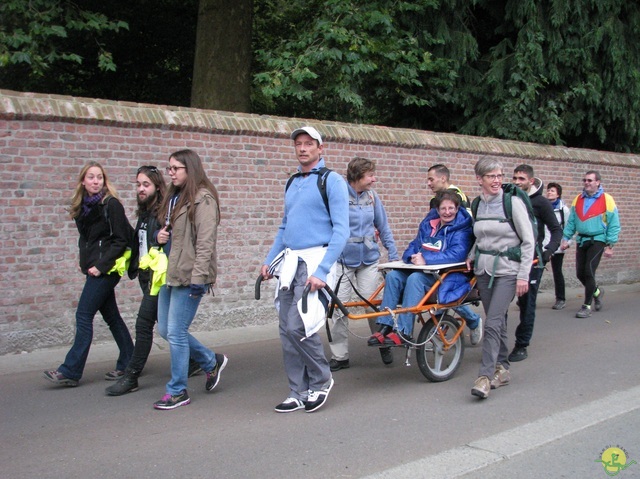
(323, 174)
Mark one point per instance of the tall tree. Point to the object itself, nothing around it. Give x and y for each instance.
(222, 69)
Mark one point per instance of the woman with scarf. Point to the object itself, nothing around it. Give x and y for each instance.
(105, 234)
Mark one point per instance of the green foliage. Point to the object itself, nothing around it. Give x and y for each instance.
(32, 34)
(557, 72)
(563, 72)
(360, 61)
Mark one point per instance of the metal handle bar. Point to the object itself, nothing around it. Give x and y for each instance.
(305, 295)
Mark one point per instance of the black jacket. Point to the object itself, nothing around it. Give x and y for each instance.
(543, 211)
(103, 237)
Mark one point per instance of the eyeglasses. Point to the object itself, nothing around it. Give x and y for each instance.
(173, 169)
(142, 169)
(588, 181)
(493, 177)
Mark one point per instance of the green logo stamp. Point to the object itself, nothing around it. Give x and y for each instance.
(614, 460)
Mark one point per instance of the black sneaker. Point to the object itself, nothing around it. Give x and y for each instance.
(213, 376)
(597, 300)
(386, 355)
(194, 368)
(171, 402)
(518, 354)
(338, 364)
(289, 405)
(58, 378)
(126, 384)
(317, 398)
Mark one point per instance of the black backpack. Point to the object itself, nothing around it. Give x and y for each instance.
(509, 190)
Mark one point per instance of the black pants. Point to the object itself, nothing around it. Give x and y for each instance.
(527, 305)
(145, 322)
(558, 277)
(588, 257)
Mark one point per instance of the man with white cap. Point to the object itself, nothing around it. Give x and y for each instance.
(315, 229)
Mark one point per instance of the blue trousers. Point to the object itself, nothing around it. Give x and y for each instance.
(405, 287)
(176, 310)
(97, 295)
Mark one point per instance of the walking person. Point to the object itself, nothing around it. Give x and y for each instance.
(595, 221)
(562, 211)
(104, 237)
(501, 259)
(525, 179)
(191, 214)
(150, 193)
(310, 239)
(358, 264)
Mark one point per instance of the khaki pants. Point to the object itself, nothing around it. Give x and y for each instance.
(366, 279)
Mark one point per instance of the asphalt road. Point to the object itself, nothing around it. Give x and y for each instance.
(575, 395)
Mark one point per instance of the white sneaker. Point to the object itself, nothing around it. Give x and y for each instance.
(476, 334)
(318, 398)
(289, 405)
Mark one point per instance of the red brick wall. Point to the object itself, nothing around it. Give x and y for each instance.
(46, 139)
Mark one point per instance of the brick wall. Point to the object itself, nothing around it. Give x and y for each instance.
(45, 140)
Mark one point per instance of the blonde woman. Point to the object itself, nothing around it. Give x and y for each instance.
(104, 235)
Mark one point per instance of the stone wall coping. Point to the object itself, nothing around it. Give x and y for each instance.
(46, 107)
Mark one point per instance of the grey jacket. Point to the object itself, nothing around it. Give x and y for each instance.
(192, 259)
(495, 235)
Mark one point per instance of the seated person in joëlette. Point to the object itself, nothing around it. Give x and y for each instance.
(445, 236)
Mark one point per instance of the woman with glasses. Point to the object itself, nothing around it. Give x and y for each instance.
(190, 212)
(105, 234)
(499, 276)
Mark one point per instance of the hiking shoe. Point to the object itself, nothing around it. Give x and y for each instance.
(584, 312)
(60, 379)
(213, 376)
(317, 398)
(171, 402)
(126, 384)
(475, 335)
(289, 405)
(501, 377)
(386, 355)
(194, 368)
(481, 387)
(518, 354)
(338, 364)
(559, 304)
(597, 300)
(113, 375)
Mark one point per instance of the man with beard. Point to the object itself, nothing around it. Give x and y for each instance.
(150, 188)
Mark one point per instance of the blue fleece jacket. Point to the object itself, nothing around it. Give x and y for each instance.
(454, 242)
(366, 214)
(306, 222)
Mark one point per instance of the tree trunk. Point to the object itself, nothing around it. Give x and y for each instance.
(222, 66)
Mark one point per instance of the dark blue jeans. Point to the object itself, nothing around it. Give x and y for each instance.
(97, 295)
(527, 305)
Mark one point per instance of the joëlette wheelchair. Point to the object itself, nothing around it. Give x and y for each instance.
(439, 346)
